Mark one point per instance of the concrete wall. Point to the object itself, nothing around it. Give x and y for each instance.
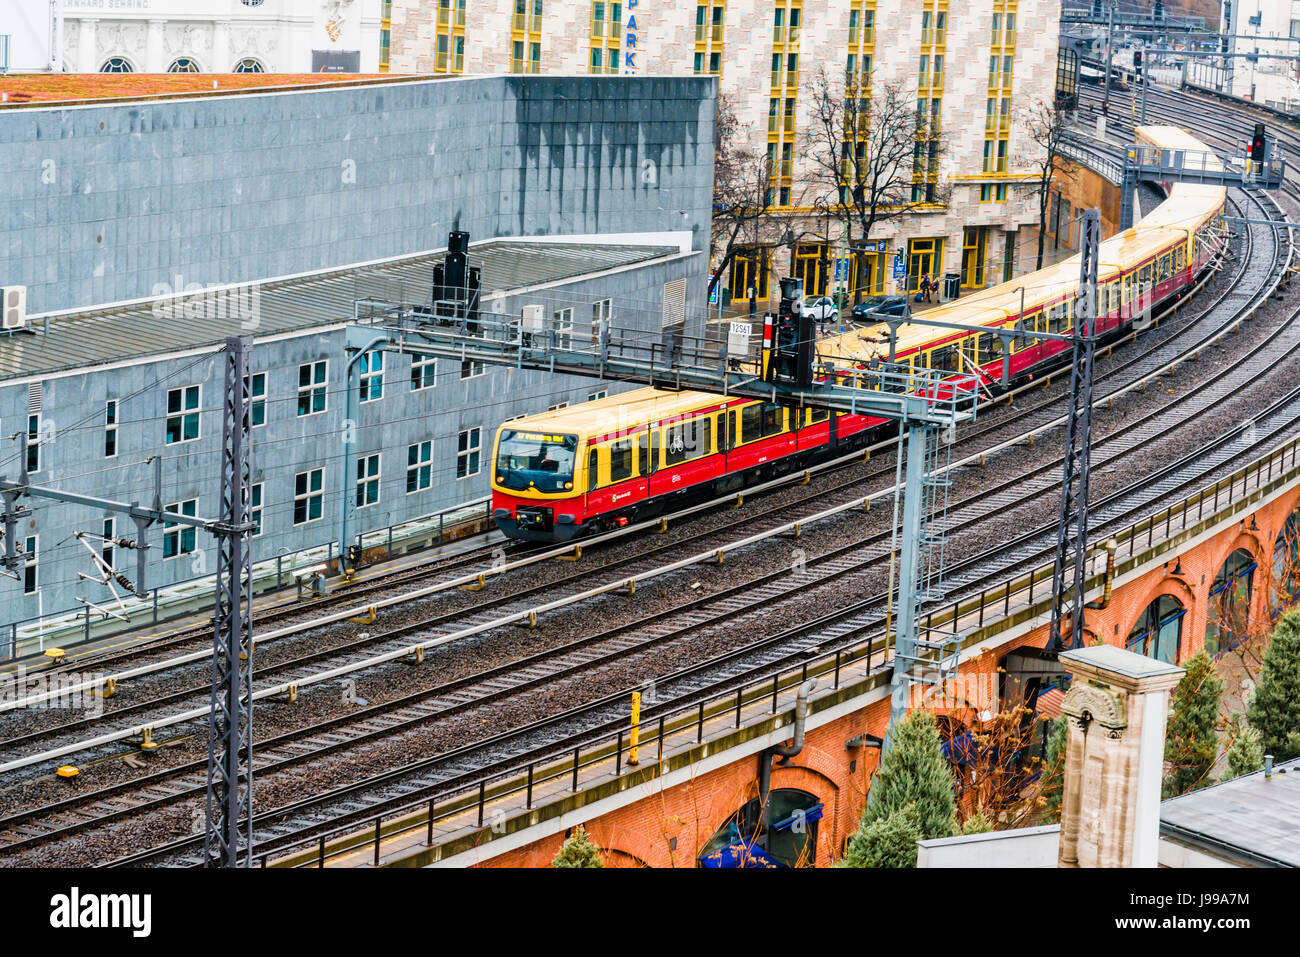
(102, 204)
(1024, 847)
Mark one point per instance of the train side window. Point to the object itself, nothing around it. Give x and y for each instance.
(1022, 341)
(593, 470)
(1056, 319)
(620, 461)
(991, 346)
(773, 419)
(751, 422)
(818, 415)
(1145, 277)
(686, 440)
(944, 359)
(1180, 259)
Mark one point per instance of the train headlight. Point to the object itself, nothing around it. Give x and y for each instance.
(501, 478)
(568, 485)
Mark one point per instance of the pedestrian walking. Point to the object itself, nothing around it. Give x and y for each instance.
(926, 287)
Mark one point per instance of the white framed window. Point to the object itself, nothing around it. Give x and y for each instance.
(117, 64)
(367, 480)
(467, 452)
(563, 323)
(371, 367)
(183, 414)
(511, 418)
(34, 442)
(106, 547)
(602, 394)
(557, 407)
(184, 64)
(258, 393)
(312, 377)
(424, 371)
(249, 65)
(308, 497)
(179, 539)
(255, 508)
(469, 369)
(602, 311)
(30, 551)
(419, 466)
(110, 429)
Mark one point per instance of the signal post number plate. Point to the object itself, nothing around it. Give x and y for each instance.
(738, 339)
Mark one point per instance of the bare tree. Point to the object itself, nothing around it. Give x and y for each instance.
(872, 156)
(1047, 127)
(742, 200)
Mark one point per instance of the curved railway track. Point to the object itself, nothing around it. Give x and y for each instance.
(1037, 417)
(736, 605)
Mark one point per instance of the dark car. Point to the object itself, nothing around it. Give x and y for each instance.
(873, 308)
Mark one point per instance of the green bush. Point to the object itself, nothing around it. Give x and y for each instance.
(1190, 742)
(1274, 711)
(888, 841)
(578, 851)
(1246, 753)
(914, 771)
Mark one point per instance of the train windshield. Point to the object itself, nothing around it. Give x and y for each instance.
(536, 460)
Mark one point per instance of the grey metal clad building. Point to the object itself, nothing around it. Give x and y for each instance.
(103, 203)
(560, 216)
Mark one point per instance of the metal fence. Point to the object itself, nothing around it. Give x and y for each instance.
(76, 626)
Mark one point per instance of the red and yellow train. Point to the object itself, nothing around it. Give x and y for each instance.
(602, 464)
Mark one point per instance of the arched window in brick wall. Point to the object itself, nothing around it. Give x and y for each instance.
(1158, 633)
(1229, 612)
(789, 840)
(1286, 565)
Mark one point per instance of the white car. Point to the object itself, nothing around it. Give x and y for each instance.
(821, 308)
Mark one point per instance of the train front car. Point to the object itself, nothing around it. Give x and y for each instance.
(537, 481)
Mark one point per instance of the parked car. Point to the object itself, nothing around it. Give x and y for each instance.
(821, 308)
(873, 308)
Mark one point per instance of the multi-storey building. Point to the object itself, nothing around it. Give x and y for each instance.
(1268, 30)
(195, 36)
(975, 70)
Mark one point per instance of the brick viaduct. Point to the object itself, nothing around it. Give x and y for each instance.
(662, 812)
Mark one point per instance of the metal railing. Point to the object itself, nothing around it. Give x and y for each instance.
(269, 575)
(1019, 600)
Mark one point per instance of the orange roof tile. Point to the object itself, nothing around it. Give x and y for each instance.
(19, 89)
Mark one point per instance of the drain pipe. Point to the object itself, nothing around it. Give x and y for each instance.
(783, 751)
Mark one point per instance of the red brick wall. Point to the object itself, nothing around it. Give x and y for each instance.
(639, 834)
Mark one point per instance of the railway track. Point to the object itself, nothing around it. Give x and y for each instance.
(393, 786)
(299, 668)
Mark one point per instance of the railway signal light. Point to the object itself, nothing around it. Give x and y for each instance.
(789, 339)
(1137, 60)
(1257, 144)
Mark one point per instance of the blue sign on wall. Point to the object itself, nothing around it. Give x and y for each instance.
(629, 42)
(900, 267)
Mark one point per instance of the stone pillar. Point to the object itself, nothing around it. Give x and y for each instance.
(1116, 708)
(85, 61)
(153, 59)
(220, 48)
